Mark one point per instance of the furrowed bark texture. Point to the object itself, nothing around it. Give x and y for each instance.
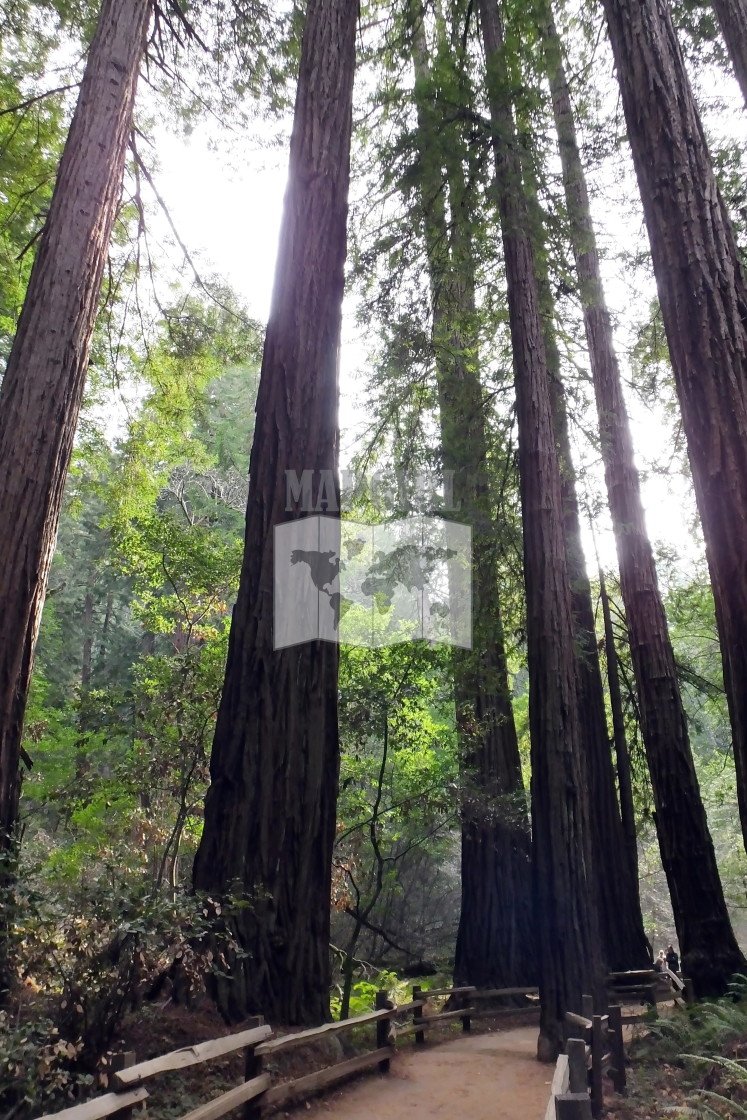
(270, 808)
(43, 384)
(732, 18)
(704, 304)
(622, 754)
(623, 940)
(569, 962)
(495, 942)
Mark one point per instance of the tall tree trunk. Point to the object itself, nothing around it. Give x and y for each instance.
(564, 899)
(495, 940)
(103, 650)
(709, 950)
(270, 808)
(623, 940)
(622, 754)
(43, 383)
(87, 658)
(732, 18)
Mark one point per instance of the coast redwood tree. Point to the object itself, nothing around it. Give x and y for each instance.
(622, 938)
(270, 808)
(495, 944)
(703, 297)
(709, 950)
(43, 383)
(567, 927)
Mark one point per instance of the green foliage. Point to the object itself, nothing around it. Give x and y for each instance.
(93, 967)
(700, 1040)
(363, 994)
(37, 1066)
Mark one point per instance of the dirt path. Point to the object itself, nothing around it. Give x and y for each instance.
(493, 1076)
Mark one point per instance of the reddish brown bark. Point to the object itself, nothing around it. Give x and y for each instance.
(43, 383)
(623, 940)
(622, 754)
(704, 304)
(270, 808)
(569, 961)
(495, 941)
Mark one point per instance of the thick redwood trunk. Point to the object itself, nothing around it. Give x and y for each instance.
(495, 940)
(564, 896)
(703, 310)
(270, 808)
(732, 18)
(43, 383)
(623, 940)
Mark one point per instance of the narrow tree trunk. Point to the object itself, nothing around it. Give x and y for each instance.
(44, 379)
(564, 900)
(710, 952)
(495, 940)
(622, 754)
(270, 808)
(623, 940)
(732, 18)
(102, 657)
(87, 658)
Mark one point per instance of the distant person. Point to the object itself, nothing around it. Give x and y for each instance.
(672, 959)
(661, 962)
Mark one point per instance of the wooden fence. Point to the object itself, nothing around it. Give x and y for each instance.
(595, 1046)
(256, 1094)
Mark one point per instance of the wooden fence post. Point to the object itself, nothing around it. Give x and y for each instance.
(123, 1061)
(587, 1006)
(578, 1076)
(689, 990)
(617, 1048)
(382, 1029)
(597, 1053)
(253, 1064)
(573, 1106)
(417, 1014)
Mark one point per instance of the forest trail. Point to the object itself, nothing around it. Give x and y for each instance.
(492, 1076)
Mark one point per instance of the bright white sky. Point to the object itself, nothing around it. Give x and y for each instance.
(230, 220)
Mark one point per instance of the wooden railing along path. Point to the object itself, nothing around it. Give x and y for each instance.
(595, 1046)
(256, 1094)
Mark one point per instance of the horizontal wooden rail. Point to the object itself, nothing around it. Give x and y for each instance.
(99, 1107)
(189, 1056)
(496, 993)
(227, 1102)
(323, 1078)
(287, 1041)
(448, 991)
(481, 993)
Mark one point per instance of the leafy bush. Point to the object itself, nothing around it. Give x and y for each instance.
(37, 1067)
(124, 945)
